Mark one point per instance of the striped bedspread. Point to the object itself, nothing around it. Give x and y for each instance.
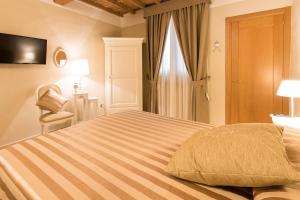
(121, 156)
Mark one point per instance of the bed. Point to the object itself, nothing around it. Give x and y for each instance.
(120, 156)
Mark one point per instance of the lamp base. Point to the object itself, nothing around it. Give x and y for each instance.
(292, 111)
(75, 86)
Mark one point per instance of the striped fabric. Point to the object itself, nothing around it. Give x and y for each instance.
(121, 156)
(289, 192)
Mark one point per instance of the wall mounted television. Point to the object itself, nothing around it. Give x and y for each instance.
(16, 49)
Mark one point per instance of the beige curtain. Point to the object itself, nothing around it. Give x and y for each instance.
(191, 25)
(157, 27)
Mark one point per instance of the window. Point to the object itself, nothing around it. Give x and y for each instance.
(174, 82)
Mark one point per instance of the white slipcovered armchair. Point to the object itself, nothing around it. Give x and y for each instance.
(48, 118)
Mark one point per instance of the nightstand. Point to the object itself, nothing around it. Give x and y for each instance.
(80, 102)
(286, 121)
(93, 107)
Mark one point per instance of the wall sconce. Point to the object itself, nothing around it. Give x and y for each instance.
(216, 46)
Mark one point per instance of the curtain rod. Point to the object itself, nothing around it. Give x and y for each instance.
(170, 6)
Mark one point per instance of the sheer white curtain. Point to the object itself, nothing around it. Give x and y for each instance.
(174, 81)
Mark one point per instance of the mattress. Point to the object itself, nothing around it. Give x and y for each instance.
(121, 156)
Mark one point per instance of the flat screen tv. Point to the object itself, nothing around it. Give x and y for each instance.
(22, 50)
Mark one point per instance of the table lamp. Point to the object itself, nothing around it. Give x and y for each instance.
(291, 89)
(80, 67)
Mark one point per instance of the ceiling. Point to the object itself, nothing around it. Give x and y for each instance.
(116, 7)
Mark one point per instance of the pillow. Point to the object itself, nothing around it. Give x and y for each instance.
(51, 101)
(243, 155)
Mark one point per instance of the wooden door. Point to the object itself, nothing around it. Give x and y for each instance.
(257, 59)
(123, 74)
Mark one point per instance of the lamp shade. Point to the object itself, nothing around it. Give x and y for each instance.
(80, 67)
(289, 88)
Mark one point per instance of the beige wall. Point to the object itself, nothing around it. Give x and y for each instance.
(138, 30)
(295, 72)
(217, 58)
(79, 35)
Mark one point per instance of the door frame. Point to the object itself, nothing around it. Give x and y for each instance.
(286, 11)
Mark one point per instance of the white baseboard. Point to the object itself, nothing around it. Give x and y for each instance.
(11, 143)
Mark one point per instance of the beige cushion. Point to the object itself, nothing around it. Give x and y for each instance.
(51, 101)
(51, 117)
(245, 155)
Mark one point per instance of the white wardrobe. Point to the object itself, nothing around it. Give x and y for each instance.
(123, 74)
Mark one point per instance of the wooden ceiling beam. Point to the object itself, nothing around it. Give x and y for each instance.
(122, 6)
(138, 3)
(157, 1)
(62, 2)
(93, 3)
